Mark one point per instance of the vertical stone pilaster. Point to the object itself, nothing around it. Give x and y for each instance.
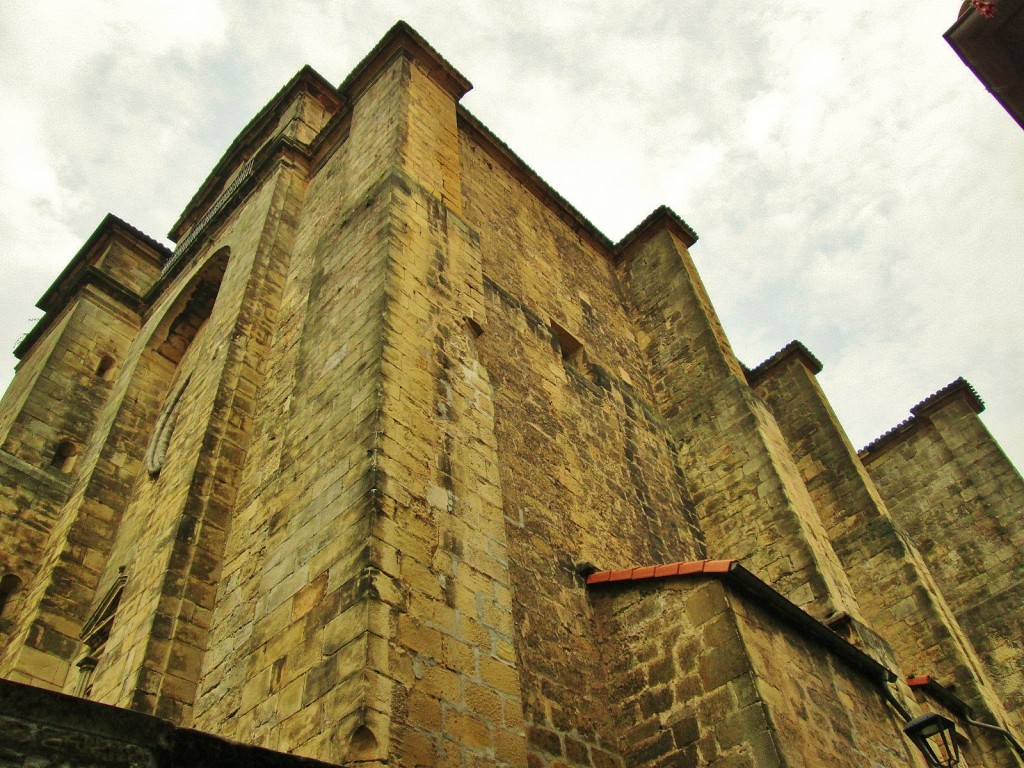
(68, 364)
(445, 674)
(371, 545)
(947, 483)
(748, 493)
(894, 587)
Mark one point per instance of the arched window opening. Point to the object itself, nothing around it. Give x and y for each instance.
(105, 368)
(192, 309)
(9, 587)
(64, 456)
(363, 746)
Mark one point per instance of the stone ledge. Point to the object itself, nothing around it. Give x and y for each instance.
(40, 727)
(61, 482)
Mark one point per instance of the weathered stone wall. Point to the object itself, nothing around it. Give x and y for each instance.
(52, 406)
(43, 729)
(419, 397)
(61, 392)
(823, 712)
(383, 618)
(587, 465)
(948, 484)
(681, 687)
(293, 576)
(702, 676)
(172, 535)
(894, 587)
(750, 499)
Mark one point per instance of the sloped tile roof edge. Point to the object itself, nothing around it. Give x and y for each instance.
(748, 585)
(958, 386)
(940, 693)
(793, 348)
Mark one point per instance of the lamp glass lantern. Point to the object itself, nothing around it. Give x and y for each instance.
(936, 737)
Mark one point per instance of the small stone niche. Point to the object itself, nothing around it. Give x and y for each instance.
(570, 347)
(64, 456)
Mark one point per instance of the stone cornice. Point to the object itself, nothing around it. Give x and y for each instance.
(80, 273)
(111, 226)
(794, 349)
(659, 219)
(281, 147)
(305, 80)
(402, 39)
(958, 389)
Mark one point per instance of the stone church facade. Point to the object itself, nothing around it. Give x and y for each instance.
(395, 460)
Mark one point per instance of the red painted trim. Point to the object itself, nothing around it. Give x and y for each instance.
(623, 574)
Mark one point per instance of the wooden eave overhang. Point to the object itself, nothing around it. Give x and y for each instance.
(993, 49)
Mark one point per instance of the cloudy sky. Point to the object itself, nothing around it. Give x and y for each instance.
(853, 185)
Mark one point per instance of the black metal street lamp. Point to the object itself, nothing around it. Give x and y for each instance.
(935, 736)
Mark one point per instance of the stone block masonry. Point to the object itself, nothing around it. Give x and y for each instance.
(328, 482)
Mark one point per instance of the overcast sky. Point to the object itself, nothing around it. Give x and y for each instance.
(852, 184)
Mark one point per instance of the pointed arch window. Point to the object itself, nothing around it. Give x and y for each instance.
(178, 344)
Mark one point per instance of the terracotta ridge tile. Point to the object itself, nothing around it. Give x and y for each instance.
(718, 566)
(696, 566)
(904, 427)
(643, 573)
(794, 347)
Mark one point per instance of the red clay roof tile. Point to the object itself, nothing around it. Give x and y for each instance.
(661, 571)
(646, 572)
(672, 569)
(623, 574)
